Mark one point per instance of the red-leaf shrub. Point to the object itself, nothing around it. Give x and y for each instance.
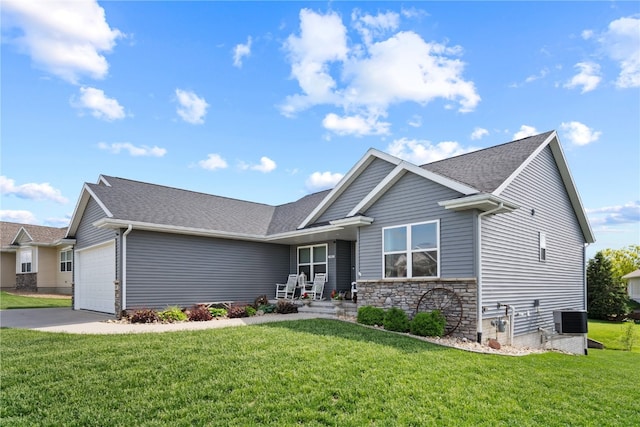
(144, 315)
(199, 313)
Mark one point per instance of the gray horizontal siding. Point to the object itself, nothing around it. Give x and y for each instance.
(359, 188)
(87, 234)
(512, 272)
(415, 199)
(169, 269)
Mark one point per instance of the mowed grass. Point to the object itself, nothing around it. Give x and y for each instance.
(610, 334)
(312, 372)
(9, 301)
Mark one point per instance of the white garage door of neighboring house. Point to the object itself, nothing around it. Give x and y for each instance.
(95, 273)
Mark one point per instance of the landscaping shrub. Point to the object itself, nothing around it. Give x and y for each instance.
(267, 308)
(144, 315)
(236, 311)
(369, 315)
(260, 301)
(217, 312)
(428, 324)
(286, 307)
(395, 319)
(199, 313)
(250, 311)
(172, 314)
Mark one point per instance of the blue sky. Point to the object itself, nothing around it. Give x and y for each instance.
(269, 101)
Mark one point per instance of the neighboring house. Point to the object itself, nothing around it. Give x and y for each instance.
(36, 258)
(503, 228)
(633, 284)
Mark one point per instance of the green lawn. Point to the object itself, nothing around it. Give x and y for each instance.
(313, 372)
(610, 334)
(8, 301)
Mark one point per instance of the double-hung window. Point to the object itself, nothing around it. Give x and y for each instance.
(26, 259)
(312, 260)
(412, 250)
(66, 260)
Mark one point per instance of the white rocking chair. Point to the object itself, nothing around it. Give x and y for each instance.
(283, 290)
(317, 287)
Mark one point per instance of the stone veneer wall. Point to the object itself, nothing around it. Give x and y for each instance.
(27, 282)
(405, 294)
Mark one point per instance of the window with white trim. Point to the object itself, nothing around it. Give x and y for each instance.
(542, 246)
(66, 260)
(26, 260)
(312, 260)
(412, 250)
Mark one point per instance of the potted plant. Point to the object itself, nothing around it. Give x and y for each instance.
(306, 299)
(336, 297)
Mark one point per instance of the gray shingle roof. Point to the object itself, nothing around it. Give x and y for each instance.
(487, 169)
(137, 201)
(289, 216)
(156, 204)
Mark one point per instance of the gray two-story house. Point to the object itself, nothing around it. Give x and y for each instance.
(499, 233)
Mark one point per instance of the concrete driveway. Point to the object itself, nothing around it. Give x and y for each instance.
(37, 318)
(87, 322)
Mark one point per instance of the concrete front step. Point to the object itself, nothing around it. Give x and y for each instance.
(347, 308)
(326, 307)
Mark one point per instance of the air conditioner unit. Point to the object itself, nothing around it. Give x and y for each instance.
(570, 321)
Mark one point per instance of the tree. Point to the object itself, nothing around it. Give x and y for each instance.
(623, 261)
(606, 297)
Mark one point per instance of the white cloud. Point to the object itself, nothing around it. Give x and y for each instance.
(22, 217)
(524, 132)
(323, 39)
(240, 51)
(541, 75)
(101, 106)
(588, 78)
(415, 121)
(133, 150)
(213, 162)
(578, 133)
(322, 180)
(621, 42)
(31, 191)
(192, 108)
(355, 125)
(628, 213)
(373, 75)
(420, 152)
(58, 222)
(67, 39)
(586, 34)
(266, 165)
(371, 27)
(478, 133)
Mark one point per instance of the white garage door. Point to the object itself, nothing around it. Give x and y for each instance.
(95, 273)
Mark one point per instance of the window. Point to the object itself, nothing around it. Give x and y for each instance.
(312, 260)
(25, 260)
(411, 250)
(66, 259)
(542, 244)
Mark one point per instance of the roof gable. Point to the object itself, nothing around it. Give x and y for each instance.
(401, 168)
(15, 233)
(489, 168)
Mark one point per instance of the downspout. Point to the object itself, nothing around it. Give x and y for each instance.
(124, 266)
(479, 269)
